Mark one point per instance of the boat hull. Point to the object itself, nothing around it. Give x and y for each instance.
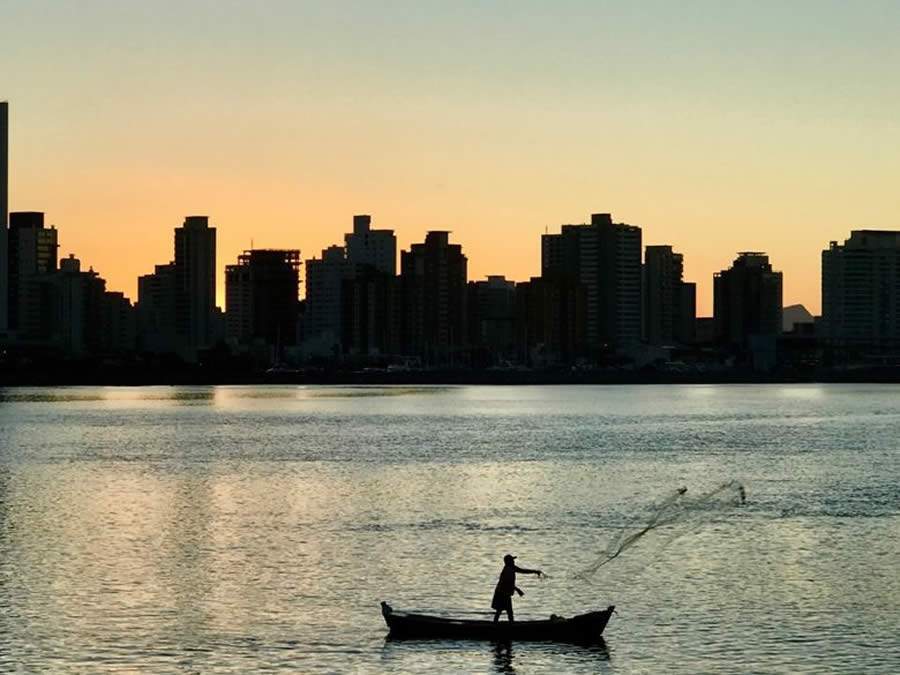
(583, 628)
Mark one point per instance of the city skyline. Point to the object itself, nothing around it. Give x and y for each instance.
(716, 128)
(123, 275)
(386, 256)
(629, 322)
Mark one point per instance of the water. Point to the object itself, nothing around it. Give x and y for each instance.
(250, 529)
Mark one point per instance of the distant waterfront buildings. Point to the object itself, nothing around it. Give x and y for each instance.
(156, 311)
(861, 291)
(551, 320)
(747, 300)
(433, 279)
(322, 316)
(80, 309)
(118, 324)
(32, 250)
(351, 304)
(195, 285)
(491, 306)
(605, 258)
(176, 309)
(669, 304)
(262, 297)
(598, 301)
(373, 248)
(371, 314)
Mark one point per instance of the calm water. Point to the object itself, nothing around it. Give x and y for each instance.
(238, 529)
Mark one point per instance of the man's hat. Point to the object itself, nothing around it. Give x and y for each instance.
(508, 558)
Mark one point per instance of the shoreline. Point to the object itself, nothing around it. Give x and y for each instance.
(136, 377)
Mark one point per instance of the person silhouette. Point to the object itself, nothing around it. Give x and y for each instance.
(506, 586)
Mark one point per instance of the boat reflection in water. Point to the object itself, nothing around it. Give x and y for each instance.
(502, 656)
(505, 653)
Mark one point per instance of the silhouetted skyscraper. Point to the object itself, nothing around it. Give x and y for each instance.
(195, 284)
(434, 296)
(322, 317)
(550, 320)
(262, 297)
(861, 291)
(686, 320)
(669, 305)
(371, 313)
(747, 300)
(605, 258)
(375, 248)
(119, 324)
(79, 309)
(4, 215)
(492, 319)
(156, 311)
(32, 253)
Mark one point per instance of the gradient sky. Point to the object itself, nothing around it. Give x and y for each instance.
(716, 126)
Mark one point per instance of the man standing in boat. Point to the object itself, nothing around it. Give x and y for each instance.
(506, 586)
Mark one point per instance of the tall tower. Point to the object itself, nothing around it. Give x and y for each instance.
(861, 292)
(669, 303)
(374, 248)
(4, 214)
(605, 258)
(322, 320)
(261, 297)
(433, 278)
(747, 299)
(195, 284)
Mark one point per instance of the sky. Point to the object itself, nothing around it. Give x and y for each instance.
(716, 126)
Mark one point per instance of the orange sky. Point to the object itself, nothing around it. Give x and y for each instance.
(715, 127)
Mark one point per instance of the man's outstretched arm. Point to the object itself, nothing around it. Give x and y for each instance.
(522, 570)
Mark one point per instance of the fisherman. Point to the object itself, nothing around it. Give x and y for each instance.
(506, 586)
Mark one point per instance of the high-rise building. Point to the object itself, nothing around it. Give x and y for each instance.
(322, 317)
(686, 320)
(605, 258)
(371, 313)
(861, 291)
(195, 285)
(375, 248)
(78, 320)
(155, 311)
(747, 300)
(492, 319)
(32, 252)
(433, 278)
(118, 321)
(550, 320)
(4, 214)
(669, 304)
(262, 297)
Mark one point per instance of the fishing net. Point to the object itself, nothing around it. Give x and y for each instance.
(673, 517)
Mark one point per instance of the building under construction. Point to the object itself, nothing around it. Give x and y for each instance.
(262, 297)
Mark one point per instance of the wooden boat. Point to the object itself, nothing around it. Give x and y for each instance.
(584, 628)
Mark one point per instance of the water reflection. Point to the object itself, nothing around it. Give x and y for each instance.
(373, 390)
(47, 396)
(202, 529)
(496, 657)
(114, 395)
(503, 657)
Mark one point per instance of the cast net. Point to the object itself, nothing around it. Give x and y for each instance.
(675, 516)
